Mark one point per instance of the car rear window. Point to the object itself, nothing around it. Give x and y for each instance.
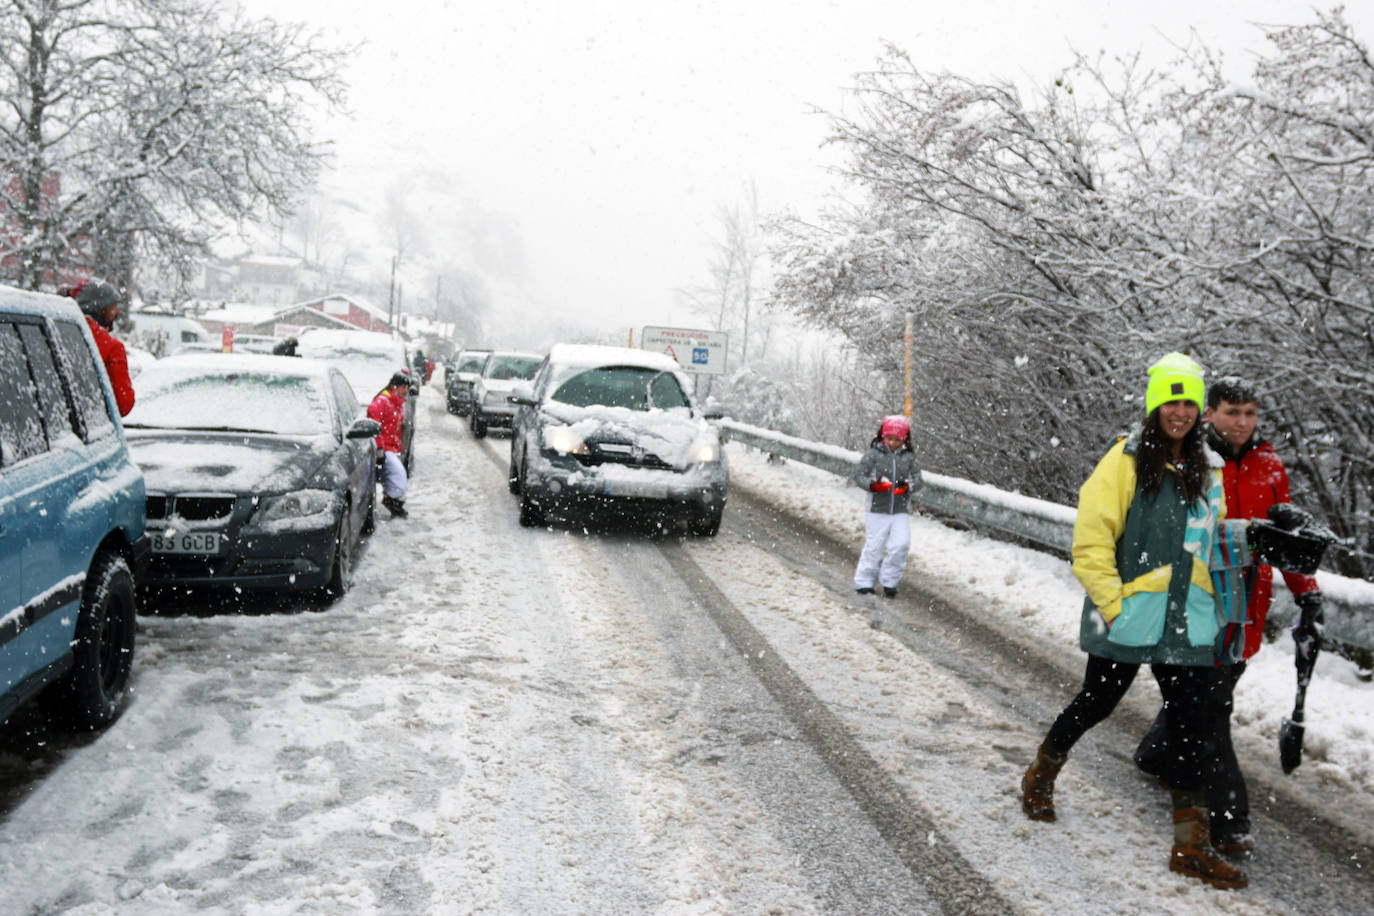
(633, 387)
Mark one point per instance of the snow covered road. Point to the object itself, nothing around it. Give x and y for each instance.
(511, 721)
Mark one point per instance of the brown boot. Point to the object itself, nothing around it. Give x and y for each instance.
(1037, 786)
(1195, 857)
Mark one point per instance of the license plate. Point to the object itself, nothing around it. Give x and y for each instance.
(636, 489)
(194, 542)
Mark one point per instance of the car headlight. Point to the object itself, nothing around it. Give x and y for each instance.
(706, 451)
(563, 440)
(297, 504)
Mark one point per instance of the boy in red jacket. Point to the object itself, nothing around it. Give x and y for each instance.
(1254, 479)
(389, 409)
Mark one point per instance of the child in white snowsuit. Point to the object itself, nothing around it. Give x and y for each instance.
(888, 471)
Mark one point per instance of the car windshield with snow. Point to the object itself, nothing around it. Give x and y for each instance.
(614, 428)
(260, 471)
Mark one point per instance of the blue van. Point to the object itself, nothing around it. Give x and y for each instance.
(72, 503)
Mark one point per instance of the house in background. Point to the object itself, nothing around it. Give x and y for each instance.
(337, 310)
(265, 279)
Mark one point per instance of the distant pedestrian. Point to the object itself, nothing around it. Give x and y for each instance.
(388, 408)
(1148, 518)
(100, 303)
(286, 347)
(1254, 479)
(890, 474)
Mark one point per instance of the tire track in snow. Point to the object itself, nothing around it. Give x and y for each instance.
(917, 839)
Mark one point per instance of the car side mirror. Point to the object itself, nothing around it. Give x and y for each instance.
(522, 393)
(712, 410)
(364, 428)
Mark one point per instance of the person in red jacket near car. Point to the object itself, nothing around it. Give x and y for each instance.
(389, 409)
(100, 303)
(1254, 479)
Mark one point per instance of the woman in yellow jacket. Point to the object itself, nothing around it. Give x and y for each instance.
(1147, 520)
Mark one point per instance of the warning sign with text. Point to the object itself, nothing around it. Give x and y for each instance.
(700, 352)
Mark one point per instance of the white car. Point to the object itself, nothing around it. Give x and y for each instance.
(491, 405)
(614, 428)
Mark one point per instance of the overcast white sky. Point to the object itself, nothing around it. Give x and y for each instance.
(606, 135)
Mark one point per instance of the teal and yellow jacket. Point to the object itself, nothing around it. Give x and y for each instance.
(1144, 562)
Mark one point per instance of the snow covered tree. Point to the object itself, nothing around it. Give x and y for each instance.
(1050, 246)
(135, 128)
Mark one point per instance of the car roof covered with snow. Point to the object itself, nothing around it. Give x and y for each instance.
(591, 355)
(193, 364)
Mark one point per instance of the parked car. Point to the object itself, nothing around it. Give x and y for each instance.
(261, 472)
(368, 360)
(167, 334)
(491, 404)
(72, 539)
(459, 377)
(615, 427)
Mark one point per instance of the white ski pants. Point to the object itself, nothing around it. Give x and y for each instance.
(394, 481)
(884, 555)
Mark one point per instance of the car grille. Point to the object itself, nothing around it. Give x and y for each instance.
(191, 508)
(598, 453)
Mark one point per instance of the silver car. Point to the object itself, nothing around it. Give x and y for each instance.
(614, 428)
(491, 405)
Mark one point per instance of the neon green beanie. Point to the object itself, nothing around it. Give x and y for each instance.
(1174, 377)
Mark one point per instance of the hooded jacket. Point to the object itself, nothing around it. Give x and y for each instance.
(1254, 479)
(388, 409)
(1143, 560)
(878, 463)
(116, 360)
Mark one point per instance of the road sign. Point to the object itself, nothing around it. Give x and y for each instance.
(698, 352)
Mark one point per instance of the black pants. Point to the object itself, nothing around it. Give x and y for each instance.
(1188, 692)
(1227, 798)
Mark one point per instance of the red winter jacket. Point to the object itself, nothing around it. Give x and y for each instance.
(116, 362)
(1254, 481)
(388, 409)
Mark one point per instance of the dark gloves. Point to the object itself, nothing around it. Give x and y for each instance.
(1311, 623)
(1294, 551)
(881, 486)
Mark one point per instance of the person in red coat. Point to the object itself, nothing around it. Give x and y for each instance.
(100, 303)
(388, 408)
(1254, 479)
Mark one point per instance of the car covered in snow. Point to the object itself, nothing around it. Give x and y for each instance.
(260, 472)
(614, 427)
(367, 359)
(459, 377)
(491, 404)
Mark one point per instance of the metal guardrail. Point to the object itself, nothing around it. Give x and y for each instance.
(1349, 602)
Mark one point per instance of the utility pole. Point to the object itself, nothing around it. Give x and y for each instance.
(391, 298)
(908, 338)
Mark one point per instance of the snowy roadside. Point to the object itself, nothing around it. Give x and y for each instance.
(1035, 597)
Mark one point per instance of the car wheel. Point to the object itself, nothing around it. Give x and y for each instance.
(512, 475)
(479, 425)
(707, 524)
(341, 574)
(453, 408)
(93, 691)
(531, 513)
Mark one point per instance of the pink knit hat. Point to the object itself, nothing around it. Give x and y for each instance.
(896, 425)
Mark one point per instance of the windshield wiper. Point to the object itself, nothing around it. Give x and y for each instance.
(222, 429)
